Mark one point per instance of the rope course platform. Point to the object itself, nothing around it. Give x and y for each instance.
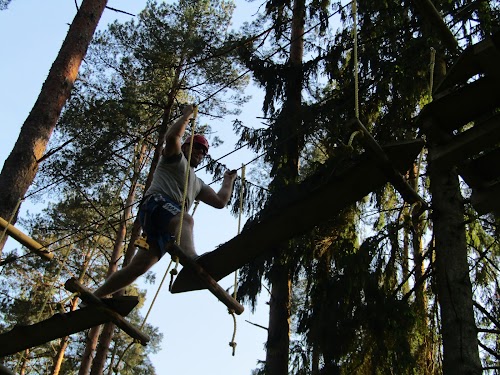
(315, 200)
(463, 122)
(23, 337)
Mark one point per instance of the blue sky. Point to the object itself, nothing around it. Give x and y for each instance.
(196, 327)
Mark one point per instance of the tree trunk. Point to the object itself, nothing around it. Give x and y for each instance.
(21, 166)
(24, 362)
(93, 334)
(60, 355)
(454, 289)
(278, 337)
(63, 346)
(102, 350)
(108, 330)
(90, 347)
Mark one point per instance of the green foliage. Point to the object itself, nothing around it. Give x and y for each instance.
(4, 4)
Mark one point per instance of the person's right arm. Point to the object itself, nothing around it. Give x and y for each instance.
(175, 133)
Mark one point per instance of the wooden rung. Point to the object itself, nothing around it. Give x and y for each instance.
(25, 240)
(205, 277)
(86, 296)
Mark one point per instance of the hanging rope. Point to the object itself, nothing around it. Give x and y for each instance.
(355, 57)
(431, 72)
(232, 343)
(184, 193)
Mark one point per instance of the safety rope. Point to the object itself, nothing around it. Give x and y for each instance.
(355, 57)
(232, 343)
(184, 193)
(431, 72)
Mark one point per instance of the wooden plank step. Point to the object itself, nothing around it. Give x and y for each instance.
(318, 199)
(480, 137)
(486, 200)
(459, 107)
(23, 337)
(86, 296)
(483, 171)
(480, 58)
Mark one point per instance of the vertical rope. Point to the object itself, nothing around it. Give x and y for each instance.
(232, 343)
(431, 72)
(186, 183)
(242, 190)
(355, 57)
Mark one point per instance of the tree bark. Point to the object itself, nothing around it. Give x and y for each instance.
(108, 329)
(63, 346)
(278, 337)
(90, 347)
(454, 288)
(278, 340)
(22, 164)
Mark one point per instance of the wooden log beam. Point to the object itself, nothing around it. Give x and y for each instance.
(86, 296)
(466, 144)
(453, 109)
(431, 14)
(23, 337)
(486, 200)
(317, 199)
(395, 177)
(206, 279)
(480, 58)
(25, 240)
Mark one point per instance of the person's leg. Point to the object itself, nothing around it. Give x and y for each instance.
(140, 264)
(187, 240)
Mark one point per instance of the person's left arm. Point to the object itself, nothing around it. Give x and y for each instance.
(218, 200)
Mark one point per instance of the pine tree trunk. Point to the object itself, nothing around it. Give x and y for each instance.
(93, 334)
(108, 330)
(278, 337)
(102, 350)
(24, 362)
(454, 289)
(278, 340)
(63, 346)
(21, 166)
(60, 355)
(90, 346)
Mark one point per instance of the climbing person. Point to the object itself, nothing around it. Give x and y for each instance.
(160, 209)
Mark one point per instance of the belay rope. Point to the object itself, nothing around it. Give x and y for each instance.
(232, 343)
(174, 271)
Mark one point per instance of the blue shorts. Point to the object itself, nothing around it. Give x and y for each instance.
(155, 213)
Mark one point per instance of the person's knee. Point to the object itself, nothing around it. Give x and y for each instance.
(188, 221)
(140, 265)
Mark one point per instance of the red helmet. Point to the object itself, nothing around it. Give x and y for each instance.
(198, 138)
